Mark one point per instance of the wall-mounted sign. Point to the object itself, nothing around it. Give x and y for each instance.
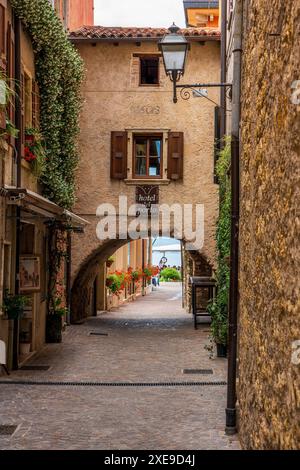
(147, 196)
(30, 274)
(146, 109)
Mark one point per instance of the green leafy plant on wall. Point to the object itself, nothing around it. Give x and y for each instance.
(35, 153)
(59, 72)
(7, 128)
(13, 305)
(219, 307)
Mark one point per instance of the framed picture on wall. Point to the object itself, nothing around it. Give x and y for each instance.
(30, 274)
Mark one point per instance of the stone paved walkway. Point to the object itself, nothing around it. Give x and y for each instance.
(150, 340)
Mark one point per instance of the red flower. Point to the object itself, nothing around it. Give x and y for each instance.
(29, 138)
(29, 156)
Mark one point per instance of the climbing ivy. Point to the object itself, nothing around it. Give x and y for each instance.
(219, 307)
(59, 73)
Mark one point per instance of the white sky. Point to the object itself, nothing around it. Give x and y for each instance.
(155, 13)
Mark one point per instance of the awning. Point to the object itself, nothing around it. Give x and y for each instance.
(35, 203)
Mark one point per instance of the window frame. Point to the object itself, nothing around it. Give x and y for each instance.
(2, 30)
(28, 105)
(149, 56)
(148, 137)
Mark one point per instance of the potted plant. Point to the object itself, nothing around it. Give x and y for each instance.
(219, 324)
(13, 305)
(147, 273)
(25, 343)
(34, 151)
(115, 282)
(9, 130)
(54, 321)
(110, 261)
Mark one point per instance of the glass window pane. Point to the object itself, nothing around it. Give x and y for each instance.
(155, 146)
(154, 166)
(141, 147)
(149, 71)
(140, 166)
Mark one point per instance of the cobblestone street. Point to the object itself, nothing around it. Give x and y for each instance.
(150, 341)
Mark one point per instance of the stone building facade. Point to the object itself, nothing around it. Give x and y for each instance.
(120, 104)
(268, 385)
(74, 13)
(27, 219)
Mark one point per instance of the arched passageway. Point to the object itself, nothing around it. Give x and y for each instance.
(194, 264)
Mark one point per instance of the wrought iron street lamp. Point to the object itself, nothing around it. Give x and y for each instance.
(174, 48)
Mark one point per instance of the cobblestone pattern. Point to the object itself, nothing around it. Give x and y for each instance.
(149, 340)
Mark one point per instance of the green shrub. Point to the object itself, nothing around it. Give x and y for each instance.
(170, 274)
(219, 307)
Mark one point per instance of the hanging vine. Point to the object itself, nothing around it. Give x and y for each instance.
(219, 307)
(56, 264)
(59, 72)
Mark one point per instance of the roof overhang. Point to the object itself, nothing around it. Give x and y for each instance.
(34, 203)
(188, 4)
(200, 38)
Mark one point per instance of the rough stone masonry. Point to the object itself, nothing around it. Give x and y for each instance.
(269, 393)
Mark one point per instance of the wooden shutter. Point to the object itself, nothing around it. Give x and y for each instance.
(35, 105)
(2, 30)
(22, 96)
(175, 156)
(217, 140)
(118, 165)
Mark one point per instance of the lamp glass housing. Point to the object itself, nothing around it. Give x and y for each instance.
(174, 49)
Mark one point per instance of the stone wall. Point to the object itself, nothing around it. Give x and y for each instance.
(114, 101)
(268, 391)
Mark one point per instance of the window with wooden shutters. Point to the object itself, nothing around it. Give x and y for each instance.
(22, 94)
(147, 156)
(175, 155)
(217, 141)
(10, 75)
(35, 105)
(2, 29)
(118, 168)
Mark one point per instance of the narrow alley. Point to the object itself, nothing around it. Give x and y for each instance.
(148, 341)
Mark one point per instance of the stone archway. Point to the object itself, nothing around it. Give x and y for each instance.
(196, 264)
(83, 282)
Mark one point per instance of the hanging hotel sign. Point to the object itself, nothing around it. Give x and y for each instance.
(147, 196)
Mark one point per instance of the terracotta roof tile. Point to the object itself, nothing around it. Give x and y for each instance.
(103, 32)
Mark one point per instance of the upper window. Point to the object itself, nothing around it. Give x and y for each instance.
(149, 70)
(28, 100)
(2, 29)
(147, 156)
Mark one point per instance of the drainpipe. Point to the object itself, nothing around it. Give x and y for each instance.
(69, 267)
(223, 69)
(143, 266)
(18, 124)
(235, 187)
